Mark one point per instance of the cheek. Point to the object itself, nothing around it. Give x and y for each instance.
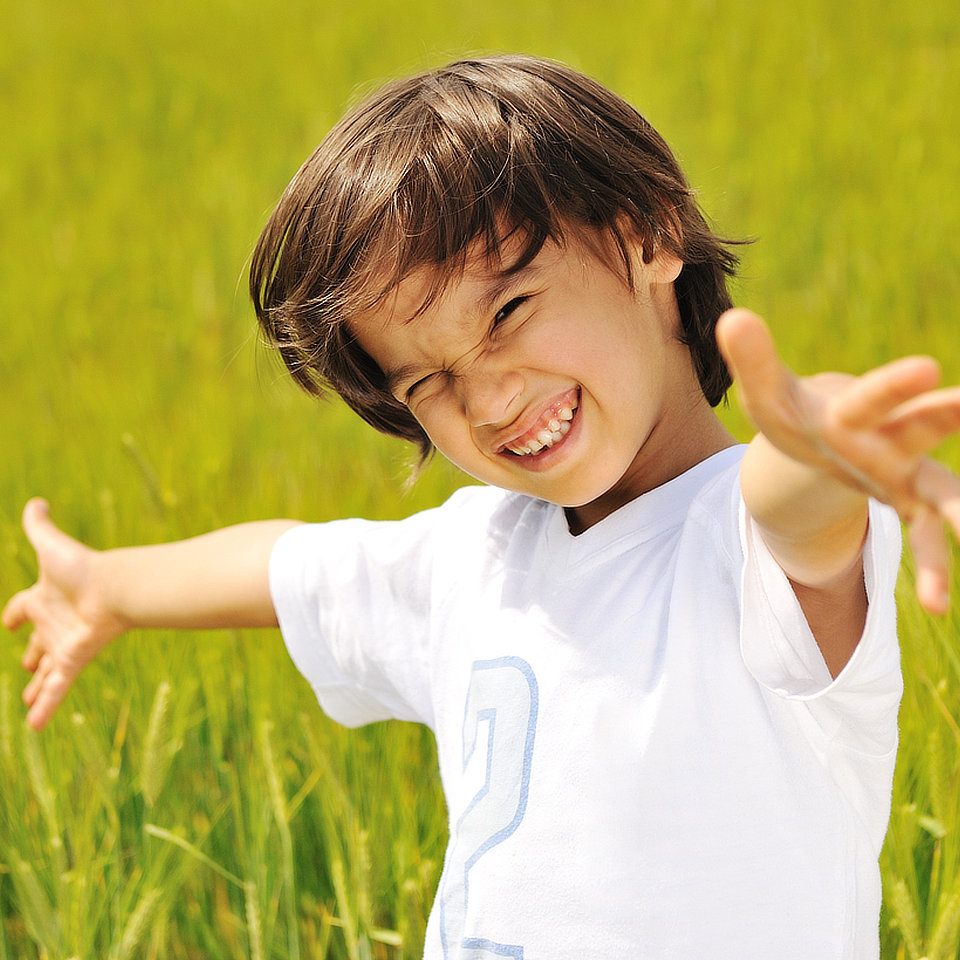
(447, 432)
(562, 348)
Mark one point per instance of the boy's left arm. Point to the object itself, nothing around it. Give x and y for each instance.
(825, 444)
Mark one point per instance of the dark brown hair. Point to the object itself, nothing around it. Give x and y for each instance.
(426, 166)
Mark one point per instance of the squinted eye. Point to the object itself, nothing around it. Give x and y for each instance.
(423, 387)
(413, 388)
(507, 309)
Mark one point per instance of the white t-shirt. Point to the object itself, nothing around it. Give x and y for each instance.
(642, 750)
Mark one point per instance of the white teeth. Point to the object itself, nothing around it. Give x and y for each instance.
(556, 429)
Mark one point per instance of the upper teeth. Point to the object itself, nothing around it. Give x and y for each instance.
(556, 428)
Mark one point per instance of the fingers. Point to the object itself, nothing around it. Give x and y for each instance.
(923, 422)
(870, 399)
(15, 612)
(929, 546)
(46, 694)
(32, 690)
(46, 690)
(939, 489)
(33, 654)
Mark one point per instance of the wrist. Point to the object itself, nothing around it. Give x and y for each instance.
(106, 581)
(813, 523)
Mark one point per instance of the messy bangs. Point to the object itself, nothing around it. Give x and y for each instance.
(445, 163)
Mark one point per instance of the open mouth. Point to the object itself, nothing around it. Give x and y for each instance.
(554, 426)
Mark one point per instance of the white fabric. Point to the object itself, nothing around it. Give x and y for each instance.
(642, 751)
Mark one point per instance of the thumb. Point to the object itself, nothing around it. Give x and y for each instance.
(36, 520)
(59, 555)
(41, 531)
(38, 526)
(748, 348)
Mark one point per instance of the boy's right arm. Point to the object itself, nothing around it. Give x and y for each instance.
(83, 598)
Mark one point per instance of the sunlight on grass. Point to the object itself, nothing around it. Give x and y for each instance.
(190, 800)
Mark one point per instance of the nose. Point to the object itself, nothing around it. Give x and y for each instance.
(489, 396)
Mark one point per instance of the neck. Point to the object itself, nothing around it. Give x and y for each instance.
(664, 456)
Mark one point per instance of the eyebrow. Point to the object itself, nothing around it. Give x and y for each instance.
(504, 282)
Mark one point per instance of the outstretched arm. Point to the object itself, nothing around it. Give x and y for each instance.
(828, 442)
(83, 598)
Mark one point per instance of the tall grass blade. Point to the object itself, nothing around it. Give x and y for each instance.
(281, 815)
(38, 914)
(163, 500)
(161, 834)
(6, 722)
(907, 919)
(96, 767)
(274, 784)
(137, 925)
(347, 921)
(3, 936)
(254, 928)
(46, 798)
(940, 776)
(946, 935)
(156, 747)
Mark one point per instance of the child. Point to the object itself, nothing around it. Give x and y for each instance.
(662, 671)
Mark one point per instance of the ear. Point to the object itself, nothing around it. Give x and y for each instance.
(665, 266)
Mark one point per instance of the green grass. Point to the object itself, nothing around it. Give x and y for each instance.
(189, 800)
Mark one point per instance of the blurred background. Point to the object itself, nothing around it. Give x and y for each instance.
(189, 800)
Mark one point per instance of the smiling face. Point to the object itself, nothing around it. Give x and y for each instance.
(557, 380)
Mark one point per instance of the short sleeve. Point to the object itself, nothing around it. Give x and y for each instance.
(859, 706)
(353, 600)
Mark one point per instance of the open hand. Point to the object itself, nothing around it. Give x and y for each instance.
(872, 432)
(71, 623)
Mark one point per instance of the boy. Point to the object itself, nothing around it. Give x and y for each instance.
(662, 672)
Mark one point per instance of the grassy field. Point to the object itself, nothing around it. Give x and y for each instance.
(189, 801)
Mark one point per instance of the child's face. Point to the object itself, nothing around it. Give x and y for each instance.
(558, 381)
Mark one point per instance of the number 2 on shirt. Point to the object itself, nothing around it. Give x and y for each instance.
(503, 695)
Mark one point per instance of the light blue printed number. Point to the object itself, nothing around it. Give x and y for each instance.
(502, 696)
